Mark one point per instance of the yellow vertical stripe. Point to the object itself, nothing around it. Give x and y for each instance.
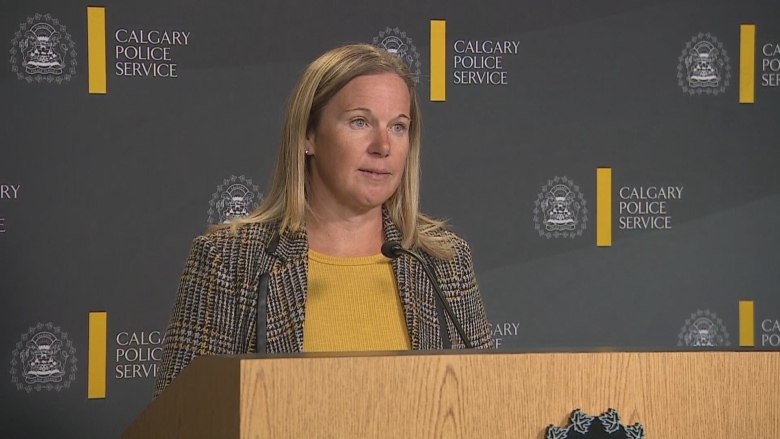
(747, 63)
(604, 207)
(438, 60)
(96, 48)
(96, 373)
(746, 323)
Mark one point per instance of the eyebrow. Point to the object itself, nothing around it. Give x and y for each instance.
(369, 111)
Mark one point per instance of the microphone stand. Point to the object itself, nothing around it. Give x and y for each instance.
(392, 249)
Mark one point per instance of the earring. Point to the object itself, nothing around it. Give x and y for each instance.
(306, 151)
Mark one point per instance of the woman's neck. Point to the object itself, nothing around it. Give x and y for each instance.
(345, 235)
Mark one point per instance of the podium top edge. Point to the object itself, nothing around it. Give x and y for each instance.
(600, 350)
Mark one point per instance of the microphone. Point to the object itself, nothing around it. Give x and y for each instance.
(393, 249)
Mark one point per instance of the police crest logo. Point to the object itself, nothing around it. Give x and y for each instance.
(396, 42)
(595, 427)
(44, 359)
(43, 50)
(703, 66)
(560, 210)
(235, 198)
(703, 329)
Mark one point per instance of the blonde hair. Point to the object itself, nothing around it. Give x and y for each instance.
(287, 202)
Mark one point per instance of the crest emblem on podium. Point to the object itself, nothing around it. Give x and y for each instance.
(606, 426)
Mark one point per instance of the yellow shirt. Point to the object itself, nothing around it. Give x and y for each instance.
(352, 304)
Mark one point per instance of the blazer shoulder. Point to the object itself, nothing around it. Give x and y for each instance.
(248, 237)
(458, 242)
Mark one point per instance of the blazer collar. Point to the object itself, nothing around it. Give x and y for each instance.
(392, 233)
(292, 245)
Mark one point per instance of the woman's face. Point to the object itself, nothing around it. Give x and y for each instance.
(359, 147)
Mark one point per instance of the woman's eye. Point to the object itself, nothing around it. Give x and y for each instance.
(360, 123)
(399, 128)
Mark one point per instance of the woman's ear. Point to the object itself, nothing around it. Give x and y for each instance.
(309, 150)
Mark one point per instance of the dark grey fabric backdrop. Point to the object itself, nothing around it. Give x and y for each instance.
(101, 194)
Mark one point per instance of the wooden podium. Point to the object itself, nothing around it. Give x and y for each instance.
(469, 395)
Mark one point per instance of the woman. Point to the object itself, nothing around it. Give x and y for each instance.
(346, 181)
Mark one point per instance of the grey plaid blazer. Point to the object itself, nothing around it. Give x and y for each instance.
(215, 309)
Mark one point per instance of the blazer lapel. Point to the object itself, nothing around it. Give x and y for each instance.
(402, 267)
(288, 285)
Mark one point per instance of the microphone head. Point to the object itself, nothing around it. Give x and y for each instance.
(390, 249)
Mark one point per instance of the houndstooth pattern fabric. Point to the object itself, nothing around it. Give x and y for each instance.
(216, 305)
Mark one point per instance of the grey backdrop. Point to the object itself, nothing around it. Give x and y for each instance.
(111, 189)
